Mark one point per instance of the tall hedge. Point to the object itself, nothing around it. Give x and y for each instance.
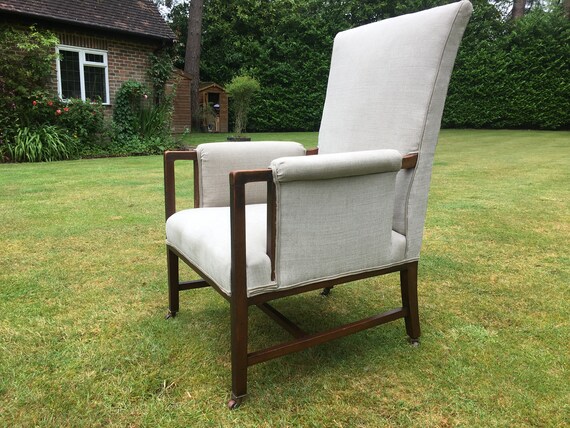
(513, 76)
(507, 75)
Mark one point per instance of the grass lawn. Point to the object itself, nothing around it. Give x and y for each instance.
(83, 340)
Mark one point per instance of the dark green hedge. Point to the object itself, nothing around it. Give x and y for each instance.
(507, 75)
(517, 76)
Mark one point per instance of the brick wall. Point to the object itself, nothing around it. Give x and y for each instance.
(128, 58)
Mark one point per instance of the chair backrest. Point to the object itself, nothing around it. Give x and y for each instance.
(387, 87)
(216, 160)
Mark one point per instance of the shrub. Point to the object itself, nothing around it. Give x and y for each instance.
(515, 76)
(47, 143)
(84, 120)
(25, 70)
(35, 124)
(241, 91)
(141, 125)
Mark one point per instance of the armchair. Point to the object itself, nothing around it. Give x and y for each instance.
(272, 219)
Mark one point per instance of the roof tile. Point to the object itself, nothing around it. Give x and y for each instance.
(130, 16)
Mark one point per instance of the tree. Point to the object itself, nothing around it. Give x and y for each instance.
(518, 9)
(192, 56)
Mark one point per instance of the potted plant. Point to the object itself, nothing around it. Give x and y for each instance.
(241, 90)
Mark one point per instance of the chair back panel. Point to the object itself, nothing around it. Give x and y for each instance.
(386, 90)
(217, 160)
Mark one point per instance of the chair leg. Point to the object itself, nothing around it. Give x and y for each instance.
(239, 327)
(409, 286)
(173, 283)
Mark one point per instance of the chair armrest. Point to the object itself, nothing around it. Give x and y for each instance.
(389, 160)
(333, 214)
(169, 178)
(338, 165)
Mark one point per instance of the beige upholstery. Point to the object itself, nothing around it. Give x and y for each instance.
(386, 90)
(203, 237)
(335, 215)
(318, 237)
(216, 160)
(273, 222)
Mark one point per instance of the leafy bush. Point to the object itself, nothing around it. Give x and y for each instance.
(27, 56)
(47, 143)
(241, 91)
(141, 125)
(35, 124)
(85, 120)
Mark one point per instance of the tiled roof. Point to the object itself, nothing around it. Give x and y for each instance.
(206, 85)
(130, 16)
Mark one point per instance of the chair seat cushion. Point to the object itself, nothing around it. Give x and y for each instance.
(202, 236)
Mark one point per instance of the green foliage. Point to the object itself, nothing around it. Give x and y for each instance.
(241, 91)
(27, 60)
(85, 121)
(514, 75)
(47, 143)
(48, 128)
(35, 124)
(160, 72)
(141, 125)
(507, 74)
(25, 70)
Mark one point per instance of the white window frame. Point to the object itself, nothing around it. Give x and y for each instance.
(82, 63)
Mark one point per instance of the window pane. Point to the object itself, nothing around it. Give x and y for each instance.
(94, 58)
(94, 83)
(70, 79)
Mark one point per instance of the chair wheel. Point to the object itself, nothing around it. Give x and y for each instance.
(233, 404)
(170, 314)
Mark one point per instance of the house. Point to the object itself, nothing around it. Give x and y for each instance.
(103, 43)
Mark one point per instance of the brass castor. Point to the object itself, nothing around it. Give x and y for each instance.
(170, 314)
(234, 403)
(415, 342)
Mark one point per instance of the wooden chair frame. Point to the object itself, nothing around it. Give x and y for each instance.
(241, 358)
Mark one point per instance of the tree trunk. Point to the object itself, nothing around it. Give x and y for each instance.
(567, 8)
(518, 9)
(192, 57)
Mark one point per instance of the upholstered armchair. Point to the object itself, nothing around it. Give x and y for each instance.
(272, 219)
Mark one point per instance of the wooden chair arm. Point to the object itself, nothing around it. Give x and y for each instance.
(409, 161)
(169, 178)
